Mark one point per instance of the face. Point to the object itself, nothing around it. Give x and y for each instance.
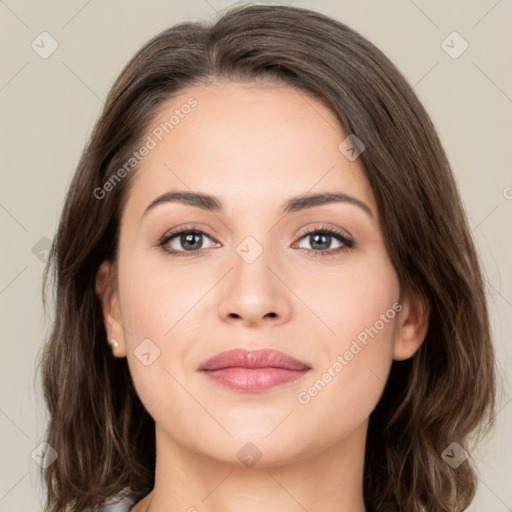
(314, 281)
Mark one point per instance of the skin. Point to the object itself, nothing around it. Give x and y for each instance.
(254, 146)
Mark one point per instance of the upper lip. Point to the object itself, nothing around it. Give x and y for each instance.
(260, 358)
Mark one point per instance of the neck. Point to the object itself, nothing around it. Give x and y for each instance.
(330, 480)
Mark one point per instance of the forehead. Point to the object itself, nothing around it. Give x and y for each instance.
(249, 144)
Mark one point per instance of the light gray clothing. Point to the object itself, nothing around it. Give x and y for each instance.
(123, 505)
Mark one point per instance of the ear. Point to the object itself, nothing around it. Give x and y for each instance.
(106, 290)
(412, 325)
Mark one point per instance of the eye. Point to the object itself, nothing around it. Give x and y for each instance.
(190, 238)
(320, 240)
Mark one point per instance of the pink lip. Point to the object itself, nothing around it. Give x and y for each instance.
(253, 370)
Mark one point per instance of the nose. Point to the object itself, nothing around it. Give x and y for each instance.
(254, 293)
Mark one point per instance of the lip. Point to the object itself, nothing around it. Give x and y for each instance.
(253, 370)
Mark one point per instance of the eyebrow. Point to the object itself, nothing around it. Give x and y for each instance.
(292, 205)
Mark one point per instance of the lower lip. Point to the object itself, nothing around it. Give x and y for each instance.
(254, 379)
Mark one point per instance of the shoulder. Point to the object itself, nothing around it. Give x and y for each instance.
(121, 504)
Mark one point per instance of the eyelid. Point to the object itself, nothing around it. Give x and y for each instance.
(323, 227)
(172, 233)
(304, 231)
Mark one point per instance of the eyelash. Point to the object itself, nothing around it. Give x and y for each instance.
(347, 243)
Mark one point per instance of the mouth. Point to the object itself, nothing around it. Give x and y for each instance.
(253, 370)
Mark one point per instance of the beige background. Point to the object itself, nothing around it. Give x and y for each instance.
(48, 108)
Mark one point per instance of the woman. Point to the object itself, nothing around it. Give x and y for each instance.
(267, 295)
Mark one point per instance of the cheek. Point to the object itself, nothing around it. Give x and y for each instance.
(362, 313)
(155, 296)
(155, 303)
(343, 392)
(356, 297)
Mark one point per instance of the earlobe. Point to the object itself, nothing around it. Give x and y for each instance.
(412, 327)
(105, 288)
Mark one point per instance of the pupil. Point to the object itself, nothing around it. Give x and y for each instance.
(189, 239)
(316, 238)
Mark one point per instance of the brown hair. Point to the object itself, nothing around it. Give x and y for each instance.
(443, 394)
